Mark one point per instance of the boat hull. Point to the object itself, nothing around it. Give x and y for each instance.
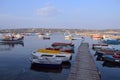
(11, 41)
(110, 58)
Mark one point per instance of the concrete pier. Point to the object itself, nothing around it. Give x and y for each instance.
(84, 67)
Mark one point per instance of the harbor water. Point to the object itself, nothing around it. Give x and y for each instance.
(15, 61)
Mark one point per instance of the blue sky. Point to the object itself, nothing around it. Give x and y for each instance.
(78, 14)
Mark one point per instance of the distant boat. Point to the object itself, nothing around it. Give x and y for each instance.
(68, 36)
(62, 44)
(46, 37)
(99, 46)
(111, 41)
(12, 40)
(9, 38)
(96, 36)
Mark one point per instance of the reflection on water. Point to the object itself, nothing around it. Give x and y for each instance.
(38, 68)
(108, 70)
(9, 46)
(45, 69)
(110, 64)
(15, 63)
(66, 65)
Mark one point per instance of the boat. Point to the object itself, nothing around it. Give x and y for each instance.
(111, 41)
(62, 44)
(96, 36)
(44, 56)
(110, 64)
(46, 37)
(68, 35)
(112, 58)
(11, 41)
(11, 38)
(99, 46)
(62, 48)
(47, 62)
(107, 52)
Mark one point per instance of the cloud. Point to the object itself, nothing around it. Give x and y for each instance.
(48, 10)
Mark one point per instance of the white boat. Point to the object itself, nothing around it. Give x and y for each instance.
(11, 38)
(68, 35)
(100, 46)
(47, 61)
(56, 56)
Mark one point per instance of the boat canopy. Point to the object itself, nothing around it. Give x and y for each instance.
(48, 51)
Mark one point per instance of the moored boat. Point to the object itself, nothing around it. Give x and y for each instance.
(46, 37)
(111, 41)
(110, 64)
(47, 62)
(11, 41)
(62, 44)
(51, 56)
(99, 46)
(112, 58)
(62, 48)
(11, 38)
(107, 52)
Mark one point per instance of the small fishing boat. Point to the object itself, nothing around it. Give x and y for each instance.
(68, 36)
(112, 58)
(99, 46)
(46, 37)
(107, 52)
(96, 36)
(47, 62)
(110, 64)
(11, 38)
(62, 48)
(53, 57)
(111, 41)
(62, 44)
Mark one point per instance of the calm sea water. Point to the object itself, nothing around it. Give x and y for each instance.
(15, 63)
(109, 71)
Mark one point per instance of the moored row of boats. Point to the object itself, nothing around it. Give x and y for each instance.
(107, 53)
(53, 57)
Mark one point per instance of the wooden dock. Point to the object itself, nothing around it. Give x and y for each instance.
(84, 67)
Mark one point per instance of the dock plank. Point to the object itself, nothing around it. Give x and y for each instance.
(84, 67)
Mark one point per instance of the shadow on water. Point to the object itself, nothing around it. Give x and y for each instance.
(38, 68)
(9, 46)
(111, 64)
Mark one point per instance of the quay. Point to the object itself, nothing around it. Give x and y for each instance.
(84, 67)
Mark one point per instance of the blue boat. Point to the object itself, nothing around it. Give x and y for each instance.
(111, 41)
(112, 58)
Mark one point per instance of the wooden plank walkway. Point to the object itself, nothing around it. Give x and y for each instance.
(84, 67)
